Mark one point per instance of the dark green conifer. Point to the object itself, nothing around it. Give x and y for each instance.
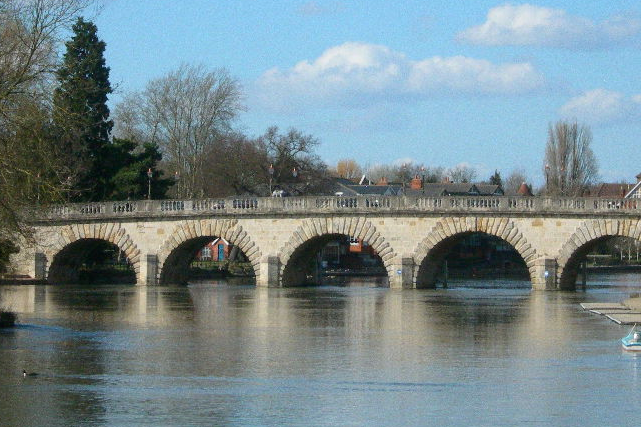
(81, 114)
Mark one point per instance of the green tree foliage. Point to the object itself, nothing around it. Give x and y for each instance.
(81, 115)
(128, 169)
(495, 179)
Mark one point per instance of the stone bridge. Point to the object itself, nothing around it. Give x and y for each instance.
(280, 236)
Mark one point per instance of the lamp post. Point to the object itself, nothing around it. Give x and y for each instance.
(423, 178)
(271, 176)
(547, 179)
(177, 181)
(294, 173)
(38, 187)
(149, 175)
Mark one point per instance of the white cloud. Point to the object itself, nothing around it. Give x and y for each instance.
(601, 106)
(358, 73)
(529, 25)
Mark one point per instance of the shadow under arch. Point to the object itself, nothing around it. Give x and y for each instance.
(189, 236)
(76, 241)
(583, 241)
(313, 234)
(433, 250)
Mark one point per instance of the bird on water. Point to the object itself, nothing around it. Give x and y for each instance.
(26, 374)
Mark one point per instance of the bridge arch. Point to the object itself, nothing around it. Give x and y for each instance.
(584, 239)
(62, 249)
(190, 235)
(313, 229)
(431, 252)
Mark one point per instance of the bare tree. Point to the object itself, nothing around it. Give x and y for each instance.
(29, 39)
(292, 157)
(349, 169)
(378, 171)
(570, 166)
(514, 180)
(433, 174)
(185, 112)
(243, 171)
(462, 173)
(29, 36)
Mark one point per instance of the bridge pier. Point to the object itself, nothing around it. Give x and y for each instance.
(40, 266)
(148, 273)
(403, 275)
(269, 272)
(544, 277)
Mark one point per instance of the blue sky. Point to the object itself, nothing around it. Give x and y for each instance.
(438, 82)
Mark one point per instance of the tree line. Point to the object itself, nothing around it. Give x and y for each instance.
(570, 167)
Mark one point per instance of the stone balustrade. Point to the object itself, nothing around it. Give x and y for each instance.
(330, 204)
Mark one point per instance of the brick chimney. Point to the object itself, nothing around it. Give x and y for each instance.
(382, 181)
(416, 183)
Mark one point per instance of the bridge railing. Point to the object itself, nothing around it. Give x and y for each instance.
(328, 204)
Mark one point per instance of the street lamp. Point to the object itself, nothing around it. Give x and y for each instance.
(294, 173)
(149, 175)
(423, 178)
(177, 181)
(547, 179)
(271, 176)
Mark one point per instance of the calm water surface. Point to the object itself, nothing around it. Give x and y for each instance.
(476, 354)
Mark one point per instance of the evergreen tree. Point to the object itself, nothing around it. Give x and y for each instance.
(128, 171)
(496, 179)
(81, 114)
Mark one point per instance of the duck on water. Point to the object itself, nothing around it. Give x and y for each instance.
(26, 374)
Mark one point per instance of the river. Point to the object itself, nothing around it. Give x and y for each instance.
(475, 354)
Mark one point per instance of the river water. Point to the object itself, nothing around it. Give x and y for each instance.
(475, 354)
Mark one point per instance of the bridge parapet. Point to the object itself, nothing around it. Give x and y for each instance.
(334, 204)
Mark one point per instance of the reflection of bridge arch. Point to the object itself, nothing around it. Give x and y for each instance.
(190, 235)
(583, 241)
(431, 252)
(62, 249)
(313, 229)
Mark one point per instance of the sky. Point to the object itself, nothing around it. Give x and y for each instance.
(441, 83)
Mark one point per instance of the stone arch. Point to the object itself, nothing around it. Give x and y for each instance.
(449, 227)
(110, 232)
(228, 229)
(589, 232)
(358, 227)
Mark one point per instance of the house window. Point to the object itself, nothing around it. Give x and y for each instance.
(353, 241)
(205, 253)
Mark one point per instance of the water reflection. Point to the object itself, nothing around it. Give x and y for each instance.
(217, 354)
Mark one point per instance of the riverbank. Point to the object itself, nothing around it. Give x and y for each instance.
(19, 280)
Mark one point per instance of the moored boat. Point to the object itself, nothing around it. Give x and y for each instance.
(632, 341)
